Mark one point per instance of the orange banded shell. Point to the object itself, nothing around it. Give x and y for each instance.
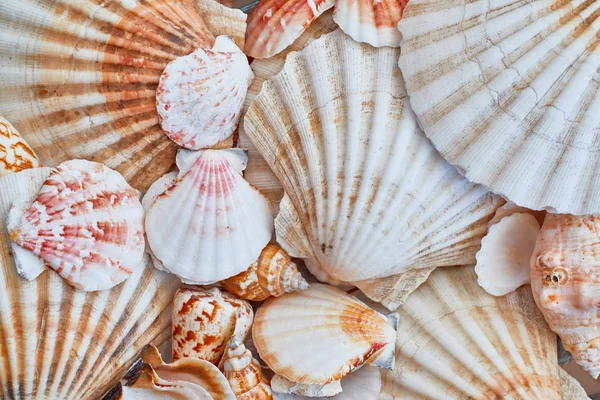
(15, 153)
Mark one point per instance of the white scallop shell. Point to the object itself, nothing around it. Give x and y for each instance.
(211, 224)
(367, 195)
(200, 96)
(58, 342)
(508, 92)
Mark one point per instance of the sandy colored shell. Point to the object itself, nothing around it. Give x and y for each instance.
(211, 224)
(58, 342)
(243, 372)
(339, 125)
(508, 92)
(204, 320)
(321, 334)
(78, 77)
(200, 96)
(564, 280)
(273, 274)
(455, 341)
(15, 153)
(86, 223)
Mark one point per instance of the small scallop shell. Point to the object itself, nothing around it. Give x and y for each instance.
(86, 224)
(200, 96)
(243, 372)
(204, 320)
(15, 153)
(211, 224)
(273, 274)
(321, 334)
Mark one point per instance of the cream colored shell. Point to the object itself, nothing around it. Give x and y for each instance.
(336, 128)
(508, 92)
(78, 77)
(15, 153)
(58, 342)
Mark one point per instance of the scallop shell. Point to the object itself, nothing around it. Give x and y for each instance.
(503, 261)
(455, 341)
(273, 274)
(57, 342)
(87, 224)
(243, 372)
(330, 129)
(15, 153)
(565, 283)
(282, 386)
(200, 96)
(211, 224)
(510, 208)
(508, 92)
(204, 320)
(78, 78)
(321, 334)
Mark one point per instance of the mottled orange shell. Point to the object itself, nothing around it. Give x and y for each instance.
(15, 153)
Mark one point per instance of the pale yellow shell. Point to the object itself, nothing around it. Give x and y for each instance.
(15, 153)
(273, 274)
(565, 280)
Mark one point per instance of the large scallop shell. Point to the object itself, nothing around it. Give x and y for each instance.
(15, 153)
(321, 334)
(455, 341)
(204, 320)
(508, 92)
(565, 282)
(57, 342)
(367, 195)
(211, 224)
(87, 224)
(78, 77)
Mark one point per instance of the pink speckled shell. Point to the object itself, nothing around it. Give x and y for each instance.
(86, 224)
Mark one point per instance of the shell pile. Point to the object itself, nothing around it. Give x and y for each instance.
(378, 176)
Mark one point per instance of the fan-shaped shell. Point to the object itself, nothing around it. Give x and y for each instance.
(367, 196)
(243, 372)
(564, 280)
(15, 153)
(78, 78)
(321, 334)
(200, 96)
(86, 224)
(455, 341)
(204, 320)
(273, 274)
(211, 224)
(57, 342)
(508, 92)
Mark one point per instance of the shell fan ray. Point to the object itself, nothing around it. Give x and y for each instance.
(78, 77)
(336, 128)
(508, 92)
(455, 341)
(211, 224)
(58, 342)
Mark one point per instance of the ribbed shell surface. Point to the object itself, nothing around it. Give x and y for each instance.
(455, 341)
(57, 342)
(78, 77)
(367, 195)
(508, 91)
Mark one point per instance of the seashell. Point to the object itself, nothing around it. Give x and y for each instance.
(340, 332)
(211, 224)
(273, 274)
(243, 372)
(509, 209)
(564, 281)
(507, 92)
(200, 96)
(503, 261)
(15, 153)
(78, 78)
(362, 384)
(86, 224)
(204, 320)
(326, 128)
(57, 342)
(455, 341)
(571, 389)
(282, 387)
